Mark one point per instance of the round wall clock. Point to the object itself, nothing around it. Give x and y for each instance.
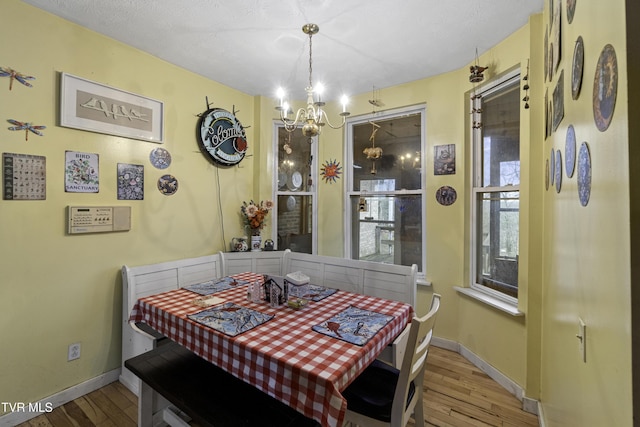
(222, 137)
(605, 88)
(576, 71)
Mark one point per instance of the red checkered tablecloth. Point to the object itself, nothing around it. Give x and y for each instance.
(283, 357)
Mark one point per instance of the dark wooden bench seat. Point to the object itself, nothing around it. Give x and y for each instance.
(206, 393)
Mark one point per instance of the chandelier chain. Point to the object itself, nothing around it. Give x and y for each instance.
(310, 60)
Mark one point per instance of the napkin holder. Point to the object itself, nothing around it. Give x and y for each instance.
(281, 284)
(298, 284)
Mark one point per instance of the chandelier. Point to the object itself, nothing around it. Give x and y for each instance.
(313, 117)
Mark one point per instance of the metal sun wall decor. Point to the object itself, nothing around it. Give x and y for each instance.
(15, 75)
(331, 171)
(26, 127)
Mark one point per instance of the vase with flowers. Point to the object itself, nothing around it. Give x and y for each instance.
(254, 215)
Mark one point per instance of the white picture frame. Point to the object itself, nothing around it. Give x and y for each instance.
(95, 107)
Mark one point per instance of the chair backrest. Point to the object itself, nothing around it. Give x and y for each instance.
(414, 361)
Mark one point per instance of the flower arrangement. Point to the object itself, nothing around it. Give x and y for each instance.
(255, 213)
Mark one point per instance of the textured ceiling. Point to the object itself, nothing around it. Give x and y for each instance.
(256, 46)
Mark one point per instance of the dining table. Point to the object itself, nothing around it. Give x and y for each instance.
(288, 356)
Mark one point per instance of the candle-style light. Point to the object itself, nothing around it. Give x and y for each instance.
(313, 117)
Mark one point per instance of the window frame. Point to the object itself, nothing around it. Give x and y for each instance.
(349, 176)
(277, 125)
(500, 83)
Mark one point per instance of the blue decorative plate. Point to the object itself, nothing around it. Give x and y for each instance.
(552, 166)
(558, 169)
(160, 158)
(584, 174)
(570, 151)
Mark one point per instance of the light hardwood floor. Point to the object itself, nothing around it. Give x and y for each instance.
(456, 393)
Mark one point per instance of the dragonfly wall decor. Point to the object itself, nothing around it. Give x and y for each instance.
(15, 75)
(27, 127)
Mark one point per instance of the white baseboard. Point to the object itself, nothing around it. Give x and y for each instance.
(528, 404)
(60, 398)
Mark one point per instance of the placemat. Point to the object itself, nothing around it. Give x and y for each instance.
(230, 318)
(216, 285)
(318, 293)
(353, 325)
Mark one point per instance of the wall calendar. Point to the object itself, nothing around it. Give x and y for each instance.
(24, 177)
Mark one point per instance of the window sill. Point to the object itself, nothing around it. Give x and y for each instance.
(491, 301)
(423, 282)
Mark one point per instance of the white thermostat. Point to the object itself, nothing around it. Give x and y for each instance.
(98, 219)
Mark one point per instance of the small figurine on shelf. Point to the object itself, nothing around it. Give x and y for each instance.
(268, 245)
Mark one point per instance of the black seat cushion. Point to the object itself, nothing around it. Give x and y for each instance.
(371, 394)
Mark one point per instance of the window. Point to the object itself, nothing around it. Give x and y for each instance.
(385, 196)
(295, 191)
(496, 187)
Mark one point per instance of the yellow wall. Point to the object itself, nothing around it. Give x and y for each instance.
(587, 249)
(58, 289)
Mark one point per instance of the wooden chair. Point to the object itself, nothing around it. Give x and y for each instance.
(385, 396)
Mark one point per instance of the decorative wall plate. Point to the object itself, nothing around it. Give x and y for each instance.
(291, 203)
(446, 195)
(282, 180)
(546, 175)
(576, 69)
(552, 166)
(295, 181)
(571, 10)
(605, 88)
(584, 174)
(570, 151)
(558, 170)
(167, 185)
(160, 158)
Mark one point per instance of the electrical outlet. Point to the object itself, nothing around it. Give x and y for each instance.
(74, 352)
(582, 337)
